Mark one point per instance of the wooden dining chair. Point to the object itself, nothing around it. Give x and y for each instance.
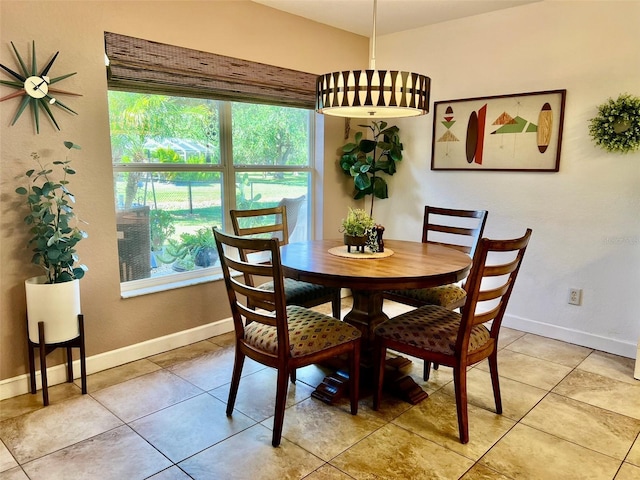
(455, 228)
(274, 334)
(438, 334)
(273, 223)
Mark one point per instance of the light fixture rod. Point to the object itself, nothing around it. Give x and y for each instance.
(372, 61)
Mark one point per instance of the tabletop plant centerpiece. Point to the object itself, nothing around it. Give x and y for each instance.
(364, 160)
(359, 230)
(53, 298)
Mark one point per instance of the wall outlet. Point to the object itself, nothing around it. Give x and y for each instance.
(575, 296)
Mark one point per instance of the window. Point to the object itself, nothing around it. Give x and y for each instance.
(180, 163)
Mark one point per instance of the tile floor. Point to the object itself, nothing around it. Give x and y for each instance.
(569, 413)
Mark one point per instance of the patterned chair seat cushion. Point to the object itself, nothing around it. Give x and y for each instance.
(300, 293)
(447, 296)
(431, 328)
(309, 332)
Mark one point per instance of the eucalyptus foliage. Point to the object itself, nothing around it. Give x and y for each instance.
(616, 128)
(365, 158)
(52, 221)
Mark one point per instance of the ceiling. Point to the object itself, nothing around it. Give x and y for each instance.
(356, 16)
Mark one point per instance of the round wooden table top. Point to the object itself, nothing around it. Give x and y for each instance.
(412, 265)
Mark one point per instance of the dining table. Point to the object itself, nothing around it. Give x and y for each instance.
(401, 265)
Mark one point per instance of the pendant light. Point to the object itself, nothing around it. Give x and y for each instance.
(372, 93)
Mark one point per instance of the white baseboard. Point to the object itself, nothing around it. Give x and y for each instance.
(19, 385)
(577, 337)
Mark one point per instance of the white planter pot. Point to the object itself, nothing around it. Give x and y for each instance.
(55, 304)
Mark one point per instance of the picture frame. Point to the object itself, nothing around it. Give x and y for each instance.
(516, 132)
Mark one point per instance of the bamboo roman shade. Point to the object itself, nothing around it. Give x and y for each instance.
(151, 67)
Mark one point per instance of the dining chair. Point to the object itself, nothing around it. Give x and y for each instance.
(272, 222)
(455, 228)
(438, 334)
(281, 336)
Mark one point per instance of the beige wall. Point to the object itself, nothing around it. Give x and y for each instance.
(586, 228)
(75, 28)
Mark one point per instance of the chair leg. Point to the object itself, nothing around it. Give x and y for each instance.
(292, 375)
(235, 380)
(495, 380)
(336, 305)
(426, 370)
(460, 382)
(354, 377)
(380, 352)
(281, 401)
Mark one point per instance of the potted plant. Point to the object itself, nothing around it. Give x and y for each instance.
(359, 230)
(365, 159)
(192, 250)
(53, 298)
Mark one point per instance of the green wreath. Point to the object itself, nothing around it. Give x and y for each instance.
(616, 128)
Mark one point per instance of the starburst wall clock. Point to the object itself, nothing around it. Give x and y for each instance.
(34, 88)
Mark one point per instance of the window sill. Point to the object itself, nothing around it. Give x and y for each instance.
(138, 288)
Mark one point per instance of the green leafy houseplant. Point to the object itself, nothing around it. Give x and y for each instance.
(52, 221)
(364, 160)
(359, 229)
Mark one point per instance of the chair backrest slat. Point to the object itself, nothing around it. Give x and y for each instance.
(455, 228)
(271, 307)
(261, 222)
(489, 287)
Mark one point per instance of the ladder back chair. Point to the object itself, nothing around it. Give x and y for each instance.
(272, 223)
(440, 335)
(274, 334)
(455, 228)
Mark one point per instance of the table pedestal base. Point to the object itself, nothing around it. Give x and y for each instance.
(336, 385)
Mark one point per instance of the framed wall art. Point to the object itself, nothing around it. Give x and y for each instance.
(519, 132)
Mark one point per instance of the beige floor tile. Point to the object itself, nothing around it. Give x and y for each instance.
(144, 395)
(212, 369)
(22, 404)
(628, 472)
(480, 472)
(324, 430)
(517, 398)
(526, 369)
(7, 461)
(122, 373)
(225, 340)
(612, 366)
(508, 336)
(393, 453)
(604, 392)
(529, 453)
(189, 427)
(14, 474)
(591, 427)
(30, 436)
(171, 473)
(437, 378)
(550, 350)
(182, 354)
(634, 454)
(113, 455)
(328, 472)
(249, 455)
(436, 419)
(256, 396)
